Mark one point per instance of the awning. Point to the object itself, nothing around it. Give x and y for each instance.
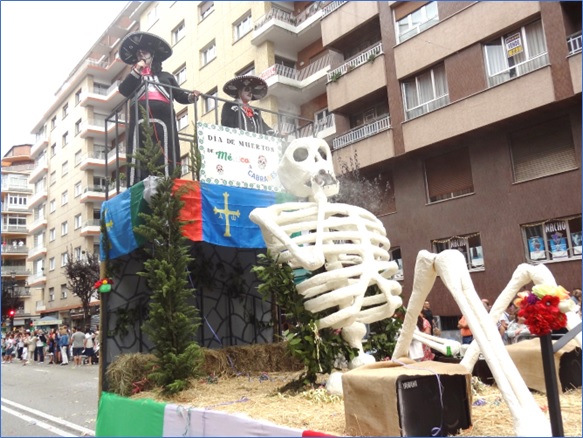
(48, 320)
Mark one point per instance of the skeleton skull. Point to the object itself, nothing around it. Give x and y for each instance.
(308, 161)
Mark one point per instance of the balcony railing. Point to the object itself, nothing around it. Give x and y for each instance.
(8, 228)
(427, 107)
(367, 56)
(574, 43)
(331, 7)
(288, 17)
(14, 249)
(519, 69)
(17, 270)
(298, 75)
(10, 184)
(362, 132)
(92, 223)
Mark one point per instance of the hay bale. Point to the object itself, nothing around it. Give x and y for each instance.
(128, 373)
(247, 359)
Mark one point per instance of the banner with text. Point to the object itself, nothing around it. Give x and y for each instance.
(233, 157)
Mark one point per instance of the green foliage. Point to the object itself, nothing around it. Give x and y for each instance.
(172, 322)
(383, 336)
(335, 76)
(316, 348)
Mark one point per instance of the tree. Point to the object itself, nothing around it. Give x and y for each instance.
(82, 273)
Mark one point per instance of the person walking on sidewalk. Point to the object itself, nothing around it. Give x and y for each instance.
(78, 344)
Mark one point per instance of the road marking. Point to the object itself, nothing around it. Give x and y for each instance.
(60, 421)
(37, 422)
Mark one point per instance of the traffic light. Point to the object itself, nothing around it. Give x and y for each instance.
(11, 313)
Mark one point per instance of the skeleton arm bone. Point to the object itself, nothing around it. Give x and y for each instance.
(308, 257)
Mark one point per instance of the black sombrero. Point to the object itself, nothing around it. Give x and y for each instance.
(159, 48)
(258, 86)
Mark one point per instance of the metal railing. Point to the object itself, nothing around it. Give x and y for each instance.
(426, 107)
(17, 270)
(574, 43)
(299, 75)
(357, 134)
(331, 7)
(287, 16)
(519, 69)
(362, 58)
(92, 223)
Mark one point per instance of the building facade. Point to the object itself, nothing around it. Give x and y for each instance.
(469, 111)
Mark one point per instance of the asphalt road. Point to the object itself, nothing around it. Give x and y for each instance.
(40, 400)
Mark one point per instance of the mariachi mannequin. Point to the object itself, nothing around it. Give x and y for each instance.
(239, 114)
(153, 90)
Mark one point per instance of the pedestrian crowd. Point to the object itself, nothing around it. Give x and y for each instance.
(55, 347)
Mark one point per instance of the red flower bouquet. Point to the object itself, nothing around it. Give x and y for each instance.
(544, 308)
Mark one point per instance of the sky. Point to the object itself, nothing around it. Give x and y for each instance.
(41, 43)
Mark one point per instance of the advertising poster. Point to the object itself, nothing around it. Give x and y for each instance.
(233, 157)
(576, 240)
(536, 248)
(477, 257)
(513, 44)
(557, 237)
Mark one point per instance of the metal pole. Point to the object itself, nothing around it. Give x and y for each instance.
(546, 345)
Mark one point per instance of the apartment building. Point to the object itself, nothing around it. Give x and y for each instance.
(471, 111)
(17, 220)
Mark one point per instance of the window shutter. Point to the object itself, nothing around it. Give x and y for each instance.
(405, 8)
(449, 175)
(543, 150)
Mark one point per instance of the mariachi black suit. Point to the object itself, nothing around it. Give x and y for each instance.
(161, 115)
(233, 117)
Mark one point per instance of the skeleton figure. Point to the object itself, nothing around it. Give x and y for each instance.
(450, 266)
(348, 241)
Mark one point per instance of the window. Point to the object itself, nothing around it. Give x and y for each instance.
(78, 158)
(78, 222)
(53, 150)
(469, 245)
(205, 9)
(210, 101)
(65, 110)
(64, 259)
(152, 16)
(64, 228)
(515, 53)
(416, 22)
(242, 27)
(52, 264)
(426, 92)
(553, 239)
(53, 178)
(248, 70)
(52, 293)
(78, 189)
(369, 114)
(321, 117)
(64, 197)
(78, 97)
(543, 149)
(65, 139)
(52, 206)
(77, 127)
(63, 291)
(52, 234)
(53, 123)
(396, 256)
(77, 252)
(182, 120)
(17, 201)
(208, 53)
(65, 168)
(180, 75)
(185, 164)
(449, 175)
(178, 33)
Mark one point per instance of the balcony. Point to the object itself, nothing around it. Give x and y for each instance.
(39, 197)
(15, 185)
(102, 99)
(91, 228)
(18, 271)
(360, 133)
(298, 86)
(469, 114)
(41, 168)
(92, 128)
(41, 144)
(324, 129)
(342, 18)
(37, 280)
(36, 252)
(93, 161)
(13, 229)
(40, 305)
(93, 194)
(277, 25)
(366, 73)
(111, 156)
(574, 44)
(37, 224)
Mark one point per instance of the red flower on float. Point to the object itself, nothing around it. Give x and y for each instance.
(541, 308)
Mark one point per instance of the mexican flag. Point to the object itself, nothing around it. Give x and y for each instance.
(121, 416)
(215, 214)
